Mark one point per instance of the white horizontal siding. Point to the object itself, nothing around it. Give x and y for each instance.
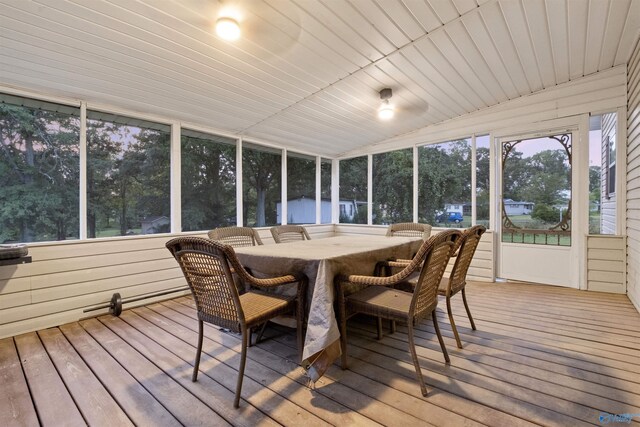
(65, 278)
(633, 179)
(606, 263)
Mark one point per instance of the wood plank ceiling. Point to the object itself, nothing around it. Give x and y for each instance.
(306, 73)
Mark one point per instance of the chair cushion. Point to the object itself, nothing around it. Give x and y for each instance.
(259, 306)
(381, 301)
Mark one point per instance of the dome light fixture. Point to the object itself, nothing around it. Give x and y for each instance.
(228, 29)
(386, 110)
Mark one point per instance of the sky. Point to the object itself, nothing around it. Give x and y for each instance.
(539, 144)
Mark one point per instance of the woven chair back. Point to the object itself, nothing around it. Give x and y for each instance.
(425, 294)
(409, 229)
(289, 233)
(205, 265)
(237, 237)
(470, 240)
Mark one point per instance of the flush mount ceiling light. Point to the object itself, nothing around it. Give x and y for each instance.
(386, 110)
(228, 29)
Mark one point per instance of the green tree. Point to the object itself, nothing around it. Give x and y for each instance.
(595, 183)
(301, 177)
(102, 153)
(150, 180)
(261, 172)
(208, 184)
(482, 183)
(127, 176)
(444, 176)
(516, 175)
(39, 173)
(353, 187)
(393, 187)
(545, 213)
(325, 179)
(549, 177)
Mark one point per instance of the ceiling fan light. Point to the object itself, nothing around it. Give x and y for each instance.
(228, 29)
(386, 111)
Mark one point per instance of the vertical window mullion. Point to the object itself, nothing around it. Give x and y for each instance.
(335, 192)
(415, 183)
(239, 182)
(176, 179)
(283, 190)
(83, 171)
(318, 190)
(474, 171)
(369, 189)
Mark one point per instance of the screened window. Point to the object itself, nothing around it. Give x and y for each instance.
(128, 166)
(208, 181)
(301, 189)
(602, 174)
(39, 170)
(611, 164)
(261, 184)
(482, 180)
(444, 179)
(353, 190)
(325, 191)
(393, 187)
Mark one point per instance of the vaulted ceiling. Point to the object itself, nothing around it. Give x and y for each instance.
(306, 73)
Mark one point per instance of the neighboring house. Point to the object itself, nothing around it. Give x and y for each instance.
(302, 210)
(461, 208)
(608, 175)
(155, 224)
(512, 207)
(349, 208)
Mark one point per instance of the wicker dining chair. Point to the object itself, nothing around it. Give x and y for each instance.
(457, 279)
(238, 237)
(289, 233)
(463, 250)
(409, 229)
(378, 298)
(207, 265)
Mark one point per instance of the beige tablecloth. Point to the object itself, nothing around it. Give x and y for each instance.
(321, 260)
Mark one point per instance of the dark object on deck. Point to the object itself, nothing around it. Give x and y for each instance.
(115, 305)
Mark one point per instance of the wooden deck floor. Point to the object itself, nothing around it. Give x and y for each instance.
(541, 355)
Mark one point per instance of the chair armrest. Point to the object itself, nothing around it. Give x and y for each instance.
(386, 266)
(272, 281)
(367, 280)
(299, 279)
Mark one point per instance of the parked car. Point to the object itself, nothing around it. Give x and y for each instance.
(449, 217)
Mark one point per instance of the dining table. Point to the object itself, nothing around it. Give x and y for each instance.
(321, 260)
